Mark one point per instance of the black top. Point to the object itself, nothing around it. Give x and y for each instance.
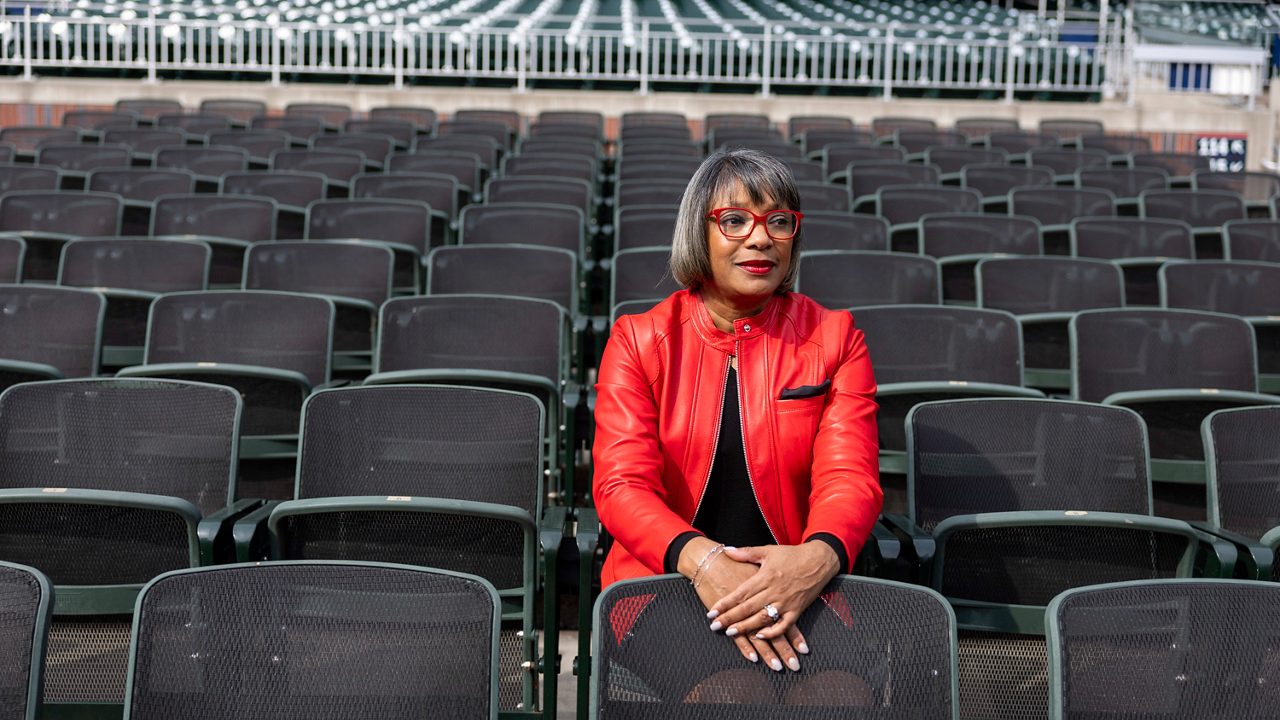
(729, 512)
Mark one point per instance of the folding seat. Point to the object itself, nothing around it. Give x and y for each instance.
(139, 187)
(260, 143)
(1125, 183)
(130, 273)
(745, 136)
(815, 140)
(27, 599)
(526, 223)
(631, 307)
(47, 219)
(148, 109)
(274, 348)
(49, 332)
(76, 160)
(1251, 240)
(108, 483)
(641, 274)
(1243, 464)
(530, 271)
(776, 148)
(197, 125)
(25, 140)
(720, 121)
(575, 167)
(375, 149)
(1129, 648)
(819, 196)
(978, 128)
(658, 149)
(208, 163)
(337, 166)
(885, 127)
(511, 119)
(402, 225)
(960, 241)
(1179, 166)
(841, 279)
(573, 117)
(951, 159)
(1204, 210)
(392, 474)
(92, 123)
(465, 167)
(330, 115)
(914, 142)
(843, 231)
(292, 190)
(403, 132)
(1044, 293)
(1173, 367)
(649, 192)
(561, 145)
(1066, 162)
(301, 130)
(637, 621)
(1016, 500)
(642, 226)
(1057, 207)
(12, 250)
(798, 125)
(545, 189)
(904, 205)
(1257, 188)
(994, 182)
(423, 119)
(1070, 129)
(299, 639)
(837, 157)
(865, 178)
(28, 177)
(356, 276)
(565, 132)
(1139, 246)
(1118, 147)
(239, 221)
(1250, 290)
(652, 118)
(486, 149)
(805, 171)
(657, 168)
(500, 133)
(1018, 143)
(239, 111)
(438, 190)
(143, 142)
(677, 132)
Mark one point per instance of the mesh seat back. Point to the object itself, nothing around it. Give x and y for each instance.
(260, 143)
(1176, 164)
(954, 159)
(1244, 463)
(1252, 240)
(135, 264)
(488, 150)
(423, 119)
(25, 597)
(1011, 454)
(12, 250)
(1028, 285)
(147, 107)
(159, 437)
(437, 190)
(1059, 206)
(27, 177)
(371, 148)
(1198, 208)
(300, 129)
(1185, 649)
(779, 149)
(83, 158)
(1071, 128)
(641, 168)
(402, 132)
(976, 128)
(867, 178)
(945, 235)
(459, 443)
(142, 184)
(838, 156)
(798, 125)
(649, 118)
(78, 213)
(98, 119)
(879, 649)
(539, 189)
(28, 139)
(1066, 162)
(464, 167)
(346, 269)
(212, 161)
(885, 127)
(395, 221)
(720, 121)
(527, 223)
(511, 119)
(1113, 238)
(267, 329)
(1116, 144)
(823, 197)
(252, 219)
(61, 327)
(241, 111)
(287, 188)
(923, 343)
(906, 204)
(816, 139)
(1017, 143)
(1124, 350)
(315, 640)
(332, 114)
(642, 274)
(568, 166)
(525, 271)
(337, 165)
(1235, 288)
(648, 226)
(196, 124)
(844, 279)
(472, 332)
(1124, 182)
(805, 171)
(574, 146)
(844, 231)
(918, 141)
(1252, 186)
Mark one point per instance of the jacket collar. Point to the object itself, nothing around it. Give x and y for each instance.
(744, 328)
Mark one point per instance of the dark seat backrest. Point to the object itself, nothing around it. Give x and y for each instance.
(144, 264)
(1250, 289)
(345, 269)
(1125, 237)
(1026, 285)
(252, 219)
(842, 278)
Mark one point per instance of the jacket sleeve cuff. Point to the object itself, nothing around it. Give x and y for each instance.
(834, 543)
(672, 561)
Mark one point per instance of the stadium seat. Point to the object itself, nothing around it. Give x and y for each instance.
(1125, 183)
(641, 273)
(238, 111)
(259, 143)
(197, 125)
(1065, 163)
(148, 109)
(239, 221)
(27, 599)
(915, 142)
(25, 140)
(642, 226)
(526, 223)
(331, 115)
(1241, 458)
(75, 160)
(143, 142)
(649, 192)
(805, 171)
(540, 189)
(467, 131)
(865, 178)
(839, 279)
(299, 128)
(960, 241)
(292, 191)
(844, 231)
(139, 187)
(798, 125)
(836, 157)
(402, 225)
(979, 127)
(28, 177)
(439, 190)
(819, 196)
(374, 149)
(423, 119)
(337, 166)
(561, 145)
(1139, 246)
(885, 127)
(951, 159)
(1257, 188)
(1070, 130)
(49, 332)
(1019, 143)
(814, 140)
(1118, 147)
(523, 270)
(403, 132)
(12, 250)
(465, 167)
(1057, 207)
(994, 182)
(904, 205)
(511, 119)
(642, 168)
(208, 163)
(1204, 210)
(1179, 166)
(92, 123)
(1251, 240)
(575, 167)
(48, 219)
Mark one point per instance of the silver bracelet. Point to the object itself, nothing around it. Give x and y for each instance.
(706, 563)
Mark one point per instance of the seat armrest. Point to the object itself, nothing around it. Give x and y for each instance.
(250, 535)
(1253, 558)
(215, 531)
(923, 546)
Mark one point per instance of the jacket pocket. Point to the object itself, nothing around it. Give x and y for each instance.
(806, 391)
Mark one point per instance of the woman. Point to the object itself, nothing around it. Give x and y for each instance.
(735, 421)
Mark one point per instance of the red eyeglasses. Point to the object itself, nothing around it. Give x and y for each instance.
(739, 223)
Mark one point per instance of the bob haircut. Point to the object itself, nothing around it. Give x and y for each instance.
(766, 180)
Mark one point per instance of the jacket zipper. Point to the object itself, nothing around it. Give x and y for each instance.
(715, 443)
(742, 423)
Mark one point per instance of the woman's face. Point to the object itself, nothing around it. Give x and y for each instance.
(745, 271)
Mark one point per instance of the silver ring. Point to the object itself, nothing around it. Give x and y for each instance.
(772, 612)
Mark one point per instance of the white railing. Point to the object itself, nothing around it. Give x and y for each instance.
(765, 56)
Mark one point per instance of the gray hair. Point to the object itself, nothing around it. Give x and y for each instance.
(765, 179)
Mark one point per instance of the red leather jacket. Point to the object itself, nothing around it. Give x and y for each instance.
(812, 460)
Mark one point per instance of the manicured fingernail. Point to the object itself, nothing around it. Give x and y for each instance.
(759, 636)
(715, 626)
(712, 614)
(731, 632)
(753, 657)
(794, 664)
(730, 547)
(803, 649)
(776, 664)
